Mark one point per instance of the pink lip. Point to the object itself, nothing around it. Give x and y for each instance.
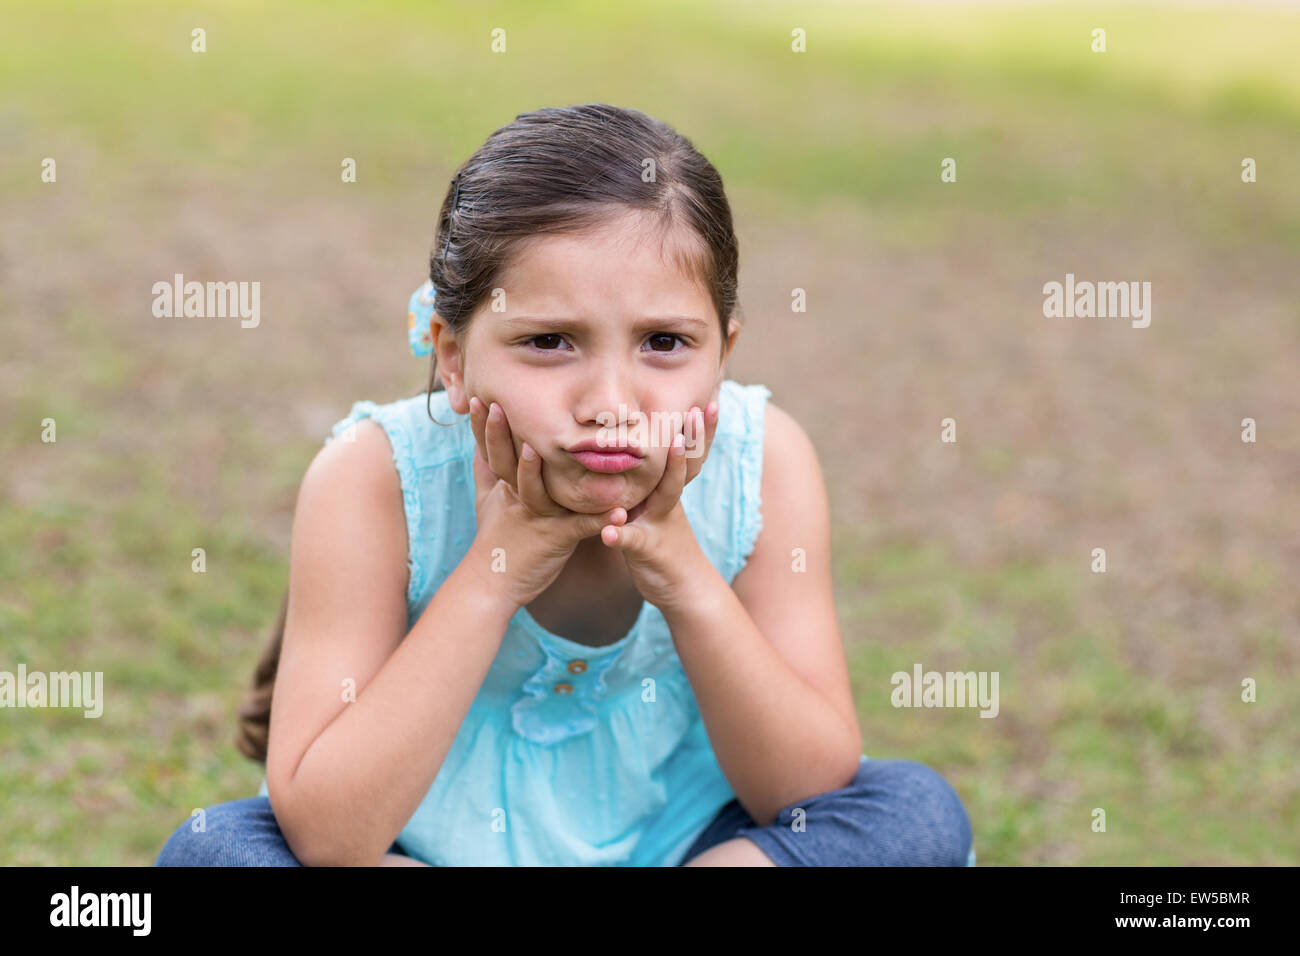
(607, 448)
(606, 462)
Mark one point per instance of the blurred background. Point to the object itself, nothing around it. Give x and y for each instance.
(1119, 691)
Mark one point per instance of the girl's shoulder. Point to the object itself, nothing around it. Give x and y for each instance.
(423, 429)
(432, 448)
(725, 500)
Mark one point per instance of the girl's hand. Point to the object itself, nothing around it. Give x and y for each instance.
(658, 544)
(524, 538)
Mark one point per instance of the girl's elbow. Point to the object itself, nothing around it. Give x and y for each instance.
(315, 839)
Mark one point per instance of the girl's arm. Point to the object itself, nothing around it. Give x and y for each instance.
(364, 713)
(765, 656)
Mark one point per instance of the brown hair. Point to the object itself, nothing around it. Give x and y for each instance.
(556, 170)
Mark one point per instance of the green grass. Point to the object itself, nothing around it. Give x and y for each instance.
(1078, 728)
(1016, 96)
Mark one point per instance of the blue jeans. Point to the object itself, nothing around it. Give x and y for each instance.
(894, 813)
(237, 833)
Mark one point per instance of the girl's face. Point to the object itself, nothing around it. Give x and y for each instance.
(587, 333)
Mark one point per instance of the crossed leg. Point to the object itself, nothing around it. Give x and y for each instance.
(741, 851)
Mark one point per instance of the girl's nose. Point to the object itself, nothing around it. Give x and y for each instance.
(608, 398)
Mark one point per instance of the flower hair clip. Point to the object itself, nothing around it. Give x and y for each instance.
(419, 314)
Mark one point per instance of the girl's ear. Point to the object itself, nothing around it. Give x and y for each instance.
(450, 361)
(733, 332)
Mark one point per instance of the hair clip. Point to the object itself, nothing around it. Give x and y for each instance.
(455, 200)
(420, 319)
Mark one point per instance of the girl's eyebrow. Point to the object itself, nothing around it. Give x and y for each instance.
(647, 322)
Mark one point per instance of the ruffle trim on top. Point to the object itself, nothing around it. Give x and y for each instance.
(404, 459)
(751, 477)
(546, 717)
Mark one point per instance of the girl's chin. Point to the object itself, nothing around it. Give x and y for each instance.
(599, 497)
(589, 507)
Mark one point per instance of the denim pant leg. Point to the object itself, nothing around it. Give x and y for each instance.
(894, 813)
(237, 833)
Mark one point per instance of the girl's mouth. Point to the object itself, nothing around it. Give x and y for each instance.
(608, 463)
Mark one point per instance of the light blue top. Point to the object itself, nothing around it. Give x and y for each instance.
(619, 771)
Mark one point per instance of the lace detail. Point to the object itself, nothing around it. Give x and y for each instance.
(404, 459)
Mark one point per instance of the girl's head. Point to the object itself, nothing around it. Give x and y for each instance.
(588, 282)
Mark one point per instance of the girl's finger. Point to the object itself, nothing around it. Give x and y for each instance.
(501, 447)
(532, 490)
(484, 480)
(702, 440)
(477, 421)
(674, 479)
(626, 538)
(596, 524)
(664, 497)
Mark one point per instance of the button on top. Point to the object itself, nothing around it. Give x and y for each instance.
(563, 688)
(577, 667)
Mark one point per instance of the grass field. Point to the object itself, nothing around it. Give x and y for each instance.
(1119, 690)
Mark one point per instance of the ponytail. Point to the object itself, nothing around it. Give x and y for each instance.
(255, 711)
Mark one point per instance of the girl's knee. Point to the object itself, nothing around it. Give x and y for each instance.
(235, 833)
(929, 801)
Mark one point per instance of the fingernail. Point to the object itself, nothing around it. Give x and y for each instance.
(494, 413)
(529, 454)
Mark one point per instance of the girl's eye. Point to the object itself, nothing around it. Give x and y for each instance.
(548, 336)
(662, 336)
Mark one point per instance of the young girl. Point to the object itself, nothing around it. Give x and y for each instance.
(536, 616)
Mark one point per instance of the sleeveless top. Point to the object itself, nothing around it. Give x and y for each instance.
(569, 755)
